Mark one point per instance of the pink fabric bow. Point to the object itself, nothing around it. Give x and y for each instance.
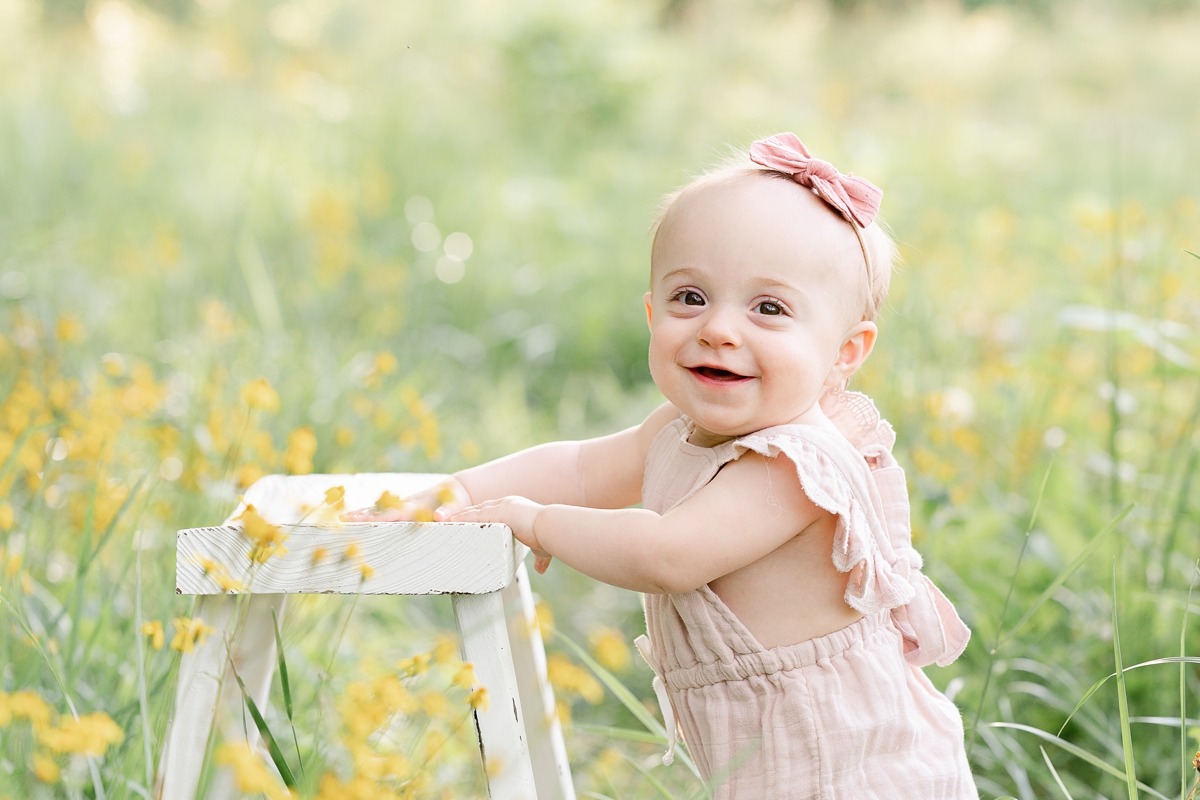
(856, 199)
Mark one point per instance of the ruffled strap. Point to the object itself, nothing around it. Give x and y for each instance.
(853, 476)
(932, 630)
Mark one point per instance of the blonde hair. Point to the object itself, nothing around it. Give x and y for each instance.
(880, 253)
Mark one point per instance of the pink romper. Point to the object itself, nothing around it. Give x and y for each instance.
(846, 715)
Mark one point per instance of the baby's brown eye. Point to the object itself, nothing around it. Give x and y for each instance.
(769, 308)
(690, 298)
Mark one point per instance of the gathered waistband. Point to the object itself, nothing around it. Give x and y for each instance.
(784, 658)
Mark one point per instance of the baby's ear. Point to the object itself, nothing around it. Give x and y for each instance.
(859, 342)
(649, 309)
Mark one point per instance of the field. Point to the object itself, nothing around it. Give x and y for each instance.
(250, 238)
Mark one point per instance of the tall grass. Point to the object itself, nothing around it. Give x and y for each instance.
(302, 237)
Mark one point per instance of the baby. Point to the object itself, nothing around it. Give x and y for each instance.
(787, 617)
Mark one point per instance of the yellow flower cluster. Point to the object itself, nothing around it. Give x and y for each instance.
(250, 772)
(374, 710)
(189, 633)
(57, 735)
(266, 539)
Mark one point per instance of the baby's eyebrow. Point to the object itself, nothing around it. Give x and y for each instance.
(680, 272)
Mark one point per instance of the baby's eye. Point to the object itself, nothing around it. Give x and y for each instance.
(770, 308)
(689, 297)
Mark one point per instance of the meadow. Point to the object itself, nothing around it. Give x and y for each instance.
(250, 238)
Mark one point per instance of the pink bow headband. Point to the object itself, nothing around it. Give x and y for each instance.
(856, 199)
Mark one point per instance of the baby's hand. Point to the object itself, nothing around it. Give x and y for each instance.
(517, 513)
(434, 504)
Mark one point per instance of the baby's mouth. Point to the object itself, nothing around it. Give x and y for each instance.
(717, 374)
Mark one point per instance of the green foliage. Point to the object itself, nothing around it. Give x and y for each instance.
(425, 226)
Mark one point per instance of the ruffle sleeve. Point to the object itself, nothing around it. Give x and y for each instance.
(852, 474)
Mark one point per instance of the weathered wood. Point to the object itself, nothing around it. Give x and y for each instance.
(503, 743)
(547, 750)
(480, 565)
(412, 558)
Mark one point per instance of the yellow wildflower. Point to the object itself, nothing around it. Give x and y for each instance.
(228, 583)
(268, 539)
(343, 436)
(91, 735)
(544, 618)
(478, 698)
(260, 395)
(367, 571)
(351, 552)
(69, 329)
(318, 555)
(415, 665)
(8, 517)
(434, 704)
(335, 496)
(464, 676)
(249, 771)
(301, 446)
(189, 632)
(44, 768)
(153, 630)
(570, 678)
(445, 648)
(247, 474)
(27, 705)
(446, 495)
(388, 500)
(609, 648)
(261, 554)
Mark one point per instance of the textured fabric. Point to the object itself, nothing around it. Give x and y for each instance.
(846, 715)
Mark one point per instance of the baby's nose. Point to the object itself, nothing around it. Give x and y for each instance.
(719, 329)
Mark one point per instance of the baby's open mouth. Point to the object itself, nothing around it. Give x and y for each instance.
(717, 374)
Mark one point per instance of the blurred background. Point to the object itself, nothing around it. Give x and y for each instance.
(318, 236)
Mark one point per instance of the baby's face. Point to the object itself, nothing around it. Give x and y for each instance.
(754, 282)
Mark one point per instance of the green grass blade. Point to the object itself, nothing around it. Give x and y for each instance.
(1077, 751)
(1095, 687)
(608, 732)
(283, 673)
(1122, 697)
(264, 730)
(653, 781)
(1054, 773)
(287, 688)
(1183, 729)
(143, 696)
(610, 681)
(1063, 576)
(625, 697)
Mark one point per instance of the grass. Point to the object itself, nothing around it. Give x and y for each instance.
(238, 239)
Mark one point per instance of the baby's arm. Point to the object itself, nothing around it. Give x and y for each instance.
(749, 509)
(604, 472)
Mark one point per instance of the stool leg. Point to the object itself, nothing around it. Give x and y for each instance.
(196, 692)
(254, 657)
(547, 750)
(501, 729)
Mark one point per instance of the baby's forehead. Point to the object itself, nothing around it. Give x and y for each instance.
(758, 209)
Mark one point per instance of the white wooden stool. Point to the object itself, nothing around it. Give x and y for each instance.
(480, 566)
